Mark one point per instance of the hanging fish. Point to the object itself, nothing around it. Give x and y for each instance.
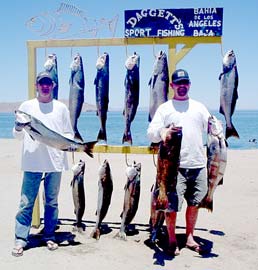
(216, 159)
(76, 95)
(131, 197)
(78, 193)
(51, 66)
(105, 190)
(102, 93)
(228, 91)
(132, 88)
(159, 83)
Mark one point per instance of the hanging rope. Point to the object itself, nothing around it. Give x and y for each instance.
(126, 160)
(154, 162)
(221, 48)
(153, 48)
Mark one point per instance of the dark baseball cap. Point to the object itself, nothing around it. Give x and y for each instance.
(44, 75)
(180, 75)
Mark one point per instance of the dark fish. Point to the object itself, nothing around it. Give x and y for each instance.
(39, 132)
(131, 102)
(78, 193)
(216, 159)
(166, 178)
(131, 197)
(76, 95)
(104, 196)
(228, 91)
(158, 83)
(102, 93)
(51, 66)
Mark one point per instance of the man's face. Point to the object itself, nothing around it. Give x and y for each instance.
(45, 88)
(181, 89)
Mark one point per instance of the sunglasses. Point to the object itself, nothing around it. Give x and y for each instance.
(182, 82)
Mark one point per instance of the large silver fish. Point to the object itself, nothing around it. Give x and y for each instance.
(131, 102)
(166, 178)
(216, 159)
(159, 83)
(105, 190)
(78, 193)
(131, 197)
(39, 132)
(102, 93)
(76, 94)
(228, 91)
(51, 66)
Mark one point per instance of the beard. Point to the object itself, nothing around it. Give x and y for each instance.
(182, 91)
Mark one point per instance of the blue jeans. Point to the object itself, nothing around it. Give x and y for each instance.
(29, 191)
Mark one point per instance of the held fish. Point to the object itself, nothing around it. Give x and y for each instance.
(131, 197)
(228, 91)
(105, 190)
(78, 193)
(102, 93)
(159, 83)
(76, 94)
(39, 132)
(131, 102)
(216, 160)
(51, 66)
(166, 177)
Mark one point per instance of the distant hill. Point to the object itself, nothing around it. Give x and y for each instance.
(12, 106)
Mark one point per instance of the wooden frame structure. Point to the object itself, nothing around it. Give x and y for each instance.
(174, 57)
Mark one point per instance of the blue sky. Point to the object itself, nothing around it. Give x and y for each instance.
(204, 62)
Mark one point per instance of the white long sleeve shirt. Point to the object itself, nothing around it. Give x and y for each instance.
(38, 157)
(192, 116)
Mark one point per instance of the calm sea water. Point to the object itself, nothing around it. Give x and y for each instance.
(246, 123)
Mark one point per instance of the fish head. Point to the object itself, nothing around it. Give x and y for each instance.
(22, 117)
(78, 168)
(132, 61)
(76, 63)
(102, 61)
(215, 126)
(229, 59)
(160, 63)
(50, 62)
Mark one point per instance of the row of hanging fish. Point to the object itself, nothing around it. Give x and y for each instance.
(105, 191)
(158, 85)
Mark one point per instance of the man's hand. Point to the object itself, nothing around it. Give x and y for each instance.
(165, 133)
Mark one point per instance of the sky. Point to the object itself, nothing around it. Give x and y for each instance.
(203, 62)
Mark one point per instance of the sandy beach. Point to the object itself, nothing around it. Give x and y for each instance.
(230, 230)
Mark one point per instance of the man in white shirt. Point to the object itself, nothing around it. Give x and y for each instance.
(41, 161)
(192, 116)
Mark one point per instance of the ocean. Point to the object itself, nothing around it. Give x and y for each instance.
(245, 121)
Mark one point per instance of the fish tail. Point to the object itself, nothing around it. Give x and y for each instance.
(88, 148)
(127, 138)
(96, 234)
(206, 204)
(102, 136)
(231, 132)
(78, 136)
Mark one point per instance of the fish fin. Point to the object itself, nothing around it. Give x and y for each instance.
(221, 181)
(127, 138)
(77, 136)
(102, 136)
(231, 132)
(88, 147)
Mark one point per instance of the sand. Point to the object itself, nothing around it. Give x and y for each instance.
(230, 230)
